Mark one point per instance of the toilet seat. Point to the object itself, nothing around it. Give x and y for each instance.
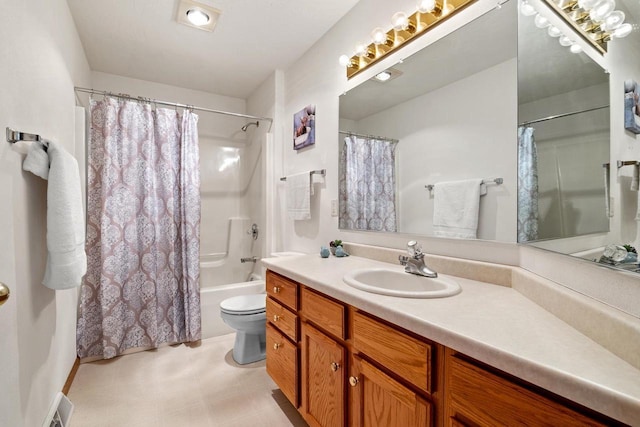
(244, 304)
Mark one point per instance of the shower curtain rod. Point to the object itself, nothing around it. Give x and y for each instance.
(170, 104)
(558, 116)
(362, 135)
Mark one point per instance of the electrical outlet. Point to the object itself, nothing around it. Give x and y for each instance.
(334, 208)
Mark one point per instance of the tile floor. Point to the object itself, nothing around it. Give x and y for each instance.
(177, 386)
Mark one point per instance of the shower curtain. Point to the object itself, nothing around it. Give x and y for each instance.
(143, 230)
(527, 185)
(368, 184)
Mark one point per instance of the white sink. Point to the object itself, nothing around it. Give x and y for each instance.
(397, 283)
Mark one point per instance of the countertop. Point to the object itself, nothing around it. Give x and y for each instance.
(493, 324)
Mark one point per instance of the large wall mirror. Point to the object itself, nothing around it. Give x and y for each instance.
(458, 110)
(445, 114)
(563, 138)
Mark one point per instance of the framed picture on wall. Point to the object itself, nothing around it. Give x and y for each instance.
(631, 106)
(304, 127)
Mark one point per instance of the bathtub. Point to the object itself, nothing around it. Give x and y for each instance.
(212, 296)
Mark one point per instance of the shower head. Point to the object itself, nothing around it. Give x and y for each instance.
(245, 127)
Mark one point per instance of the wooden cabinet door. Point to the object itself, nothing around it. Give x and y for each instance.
(323, 379)
(377, 400)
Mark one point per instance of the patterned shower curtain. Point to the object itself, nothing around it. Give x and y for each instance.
(143, 230)
(527, 186)
(368, 184)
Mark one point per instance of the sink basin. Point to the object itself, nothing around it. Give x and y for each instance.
(397, 283)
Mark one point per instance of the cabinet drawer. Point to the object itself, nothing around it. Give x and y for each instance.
(282, 363)
(402, 354)
(327, 314)
(487, 399)
(282, 289)
(283, 319)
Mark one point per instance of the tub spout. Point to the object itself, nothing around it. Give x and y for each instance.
(249, 259)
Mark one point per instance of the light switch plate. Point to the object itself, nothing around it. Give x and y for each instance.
(334, 208)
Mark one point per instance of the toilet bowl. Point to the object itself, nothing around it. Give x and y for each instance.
(247, 315)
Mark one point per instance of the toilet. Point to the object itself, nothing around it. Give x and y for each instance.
(247, 315)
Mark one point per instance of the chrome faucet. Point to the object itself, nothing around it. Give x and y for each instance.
(414, 263)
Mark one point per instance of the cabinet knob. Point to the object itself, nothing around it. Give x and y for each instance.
(335, 366)
(276, 317)
(276, 289)
(276, 346)
(4, 293)
(353, 381)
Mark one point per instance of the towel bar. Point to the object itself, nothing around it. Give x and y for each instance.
(322, 172)
(497, 181)
(14, 136)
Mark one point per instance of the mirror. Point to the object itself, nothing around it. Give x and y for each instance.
(447, 113)
(563, 138)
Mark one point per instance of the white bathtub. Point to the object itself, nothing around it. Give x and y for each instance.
(210, 298)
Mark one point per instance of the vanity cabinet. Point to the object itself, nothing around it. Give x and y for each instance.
(341, 366)
(377, 400)
(283, 353)
(477, 395)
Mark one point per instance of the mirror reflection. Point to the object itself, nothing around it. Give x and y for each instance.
(563, 138)
(428, 147)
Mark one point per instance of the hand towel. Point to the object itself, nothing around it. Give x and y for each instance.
(66, 261)
(299, 192)
(37, 160)
(456, 209)
(635, 180)
(607, 185)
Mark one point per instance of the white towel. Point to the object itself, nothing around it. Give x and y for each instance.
(67, 261)
(37, 160)
(456, 208)
(299, 192)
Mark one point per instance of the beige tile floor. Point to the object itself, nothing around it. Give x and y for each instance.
(177, 386)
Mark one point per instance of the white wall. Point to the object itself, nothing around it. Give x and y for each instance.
(444, 139)
(42, 60)
(317, 78)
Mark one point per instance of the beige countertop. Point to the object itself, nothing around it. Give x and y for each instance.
(494, 324)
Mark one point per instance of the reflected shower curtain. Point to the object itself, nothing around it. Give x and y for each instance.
(368, 184)
(527, 186)
(143, 230)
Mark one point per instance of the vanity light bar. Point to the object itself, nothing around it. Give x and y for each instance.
(595, 29)
(404, 30)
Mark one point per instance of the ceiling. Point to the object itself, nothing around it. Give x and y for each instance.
(141, 39)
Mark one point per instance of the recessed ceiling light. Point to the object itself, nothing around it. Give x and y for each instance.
(197, 15)
(387, 75)
(383, 76)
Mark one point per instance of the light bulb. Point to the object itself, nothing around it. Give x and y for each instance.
(426, 6)
(378, 36)
(623, 30)
(541, 22)
(601, 10)
(197, 17)
(613, 21)
(587, 5)
(575, 48)
(554, 31)
(565, 41)
(400, 21)
(361, 49)
(344, 60)
(526, 9)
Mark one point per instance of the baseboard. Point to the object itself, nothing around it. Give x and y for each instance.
(72, 375)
